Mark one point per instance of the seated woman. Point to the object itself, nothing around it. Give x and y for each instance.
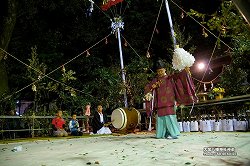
(99, 122)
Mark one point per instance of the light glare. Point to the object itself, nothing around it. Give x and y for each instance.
(201, 66)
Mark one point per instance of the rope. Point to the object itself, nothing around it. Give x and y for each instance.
(101, 10)
(155, 26)
(208, 64)
(133, 49)
(120, 9)
(202, 25)
(38, 79)
(51, 71)
(207, 82)
(125, 9)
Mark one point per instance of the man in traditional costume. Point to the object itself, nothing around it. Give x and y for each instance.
(162, 94)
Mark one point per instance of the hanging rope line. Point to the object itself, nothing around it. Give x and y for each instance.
(134, 50)
(39, 73)
(79, 54)
(47, 75)
(127, 5)
(208, 82)
(154, 28)
(208, 64)
(202, 25)
(121, 8)
(101, 10)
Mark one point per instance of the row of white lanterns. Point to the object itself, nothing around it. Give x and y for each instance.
(214, 125)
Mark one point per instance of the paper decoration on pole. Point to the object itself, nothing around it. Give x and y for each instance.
(148, 55)
(182, 59)
(117, 24)
(90, 9)
(108, 3)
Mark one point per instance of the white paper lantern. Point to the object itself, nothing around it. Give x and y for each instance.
(220, 124)
(223, 123)
(217, 125)
(234, 123)
(194, 126)
(200, 125)
(212, 124)
(206, 126)
(180, 126)
(186, 126)
(241, 126)
(229, 125)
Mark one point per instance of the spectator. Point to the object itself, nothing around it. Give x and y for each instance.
(74, 126)
(99, 122)
(58, 124)
(87, 115)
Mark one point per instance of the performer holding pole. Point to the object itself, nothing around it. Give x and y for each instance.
(169, 89)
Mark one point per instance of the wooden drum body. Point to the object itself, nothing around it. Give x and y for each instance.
(125, 118)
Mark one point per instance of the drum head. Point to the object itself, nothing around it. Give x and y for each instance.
(119, 118)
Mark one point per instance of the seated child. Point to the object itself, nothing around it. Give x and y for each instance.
(74, 126)
(58, 125)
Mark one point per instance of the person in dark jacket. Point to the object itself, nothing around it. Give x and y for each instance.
(99, 122)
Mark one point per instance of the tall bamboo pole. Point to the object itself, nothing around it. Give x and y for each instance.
(116, 26)
(170, 23)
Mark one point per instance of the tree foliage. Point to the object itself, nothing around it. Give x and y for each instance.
(230, 25)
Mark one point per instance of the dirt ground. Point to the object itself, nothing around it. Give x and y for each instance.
(139, 149)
